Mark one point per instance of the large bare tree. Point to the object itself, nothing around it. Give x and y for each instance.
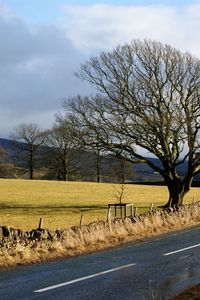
(148, 97)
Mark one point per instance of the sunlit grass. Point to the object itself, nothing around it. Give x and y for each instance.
(60, 204)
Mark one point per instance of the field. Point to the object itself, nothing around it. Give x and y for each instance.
(60, 204)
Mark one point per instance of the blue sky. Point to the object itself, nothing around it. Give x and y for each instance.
(43, 42)
(46, 11)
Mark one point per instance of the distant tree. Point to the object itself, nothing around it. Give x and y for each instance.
(115, 169)
(149, 97)
(62, 149)
(87, 140)
(28, 139)
(96, 151)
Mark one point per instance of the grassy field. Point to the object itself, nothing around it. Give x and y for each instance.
(60, 204)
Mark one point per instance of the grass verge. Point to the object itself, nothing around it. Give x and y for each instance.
(99, 235)
(190, 294)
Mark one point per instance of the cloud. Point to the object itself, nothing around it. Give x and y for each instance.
(5, 11)
(36, 71)
(104, 25)
(37, 62)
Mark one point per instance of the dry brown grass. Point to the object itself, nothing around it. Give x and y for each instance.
(101, 235)
(190, 294)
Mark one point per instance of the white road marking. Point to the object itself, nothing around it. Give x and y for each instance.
(83, 278)
(181, 250)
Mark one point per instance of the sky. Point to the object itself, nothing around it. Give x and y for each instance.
(43, 43)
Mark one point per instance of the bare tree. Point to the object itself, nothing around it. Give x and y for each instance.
(62, 144)
(94, 147)
(28, 139)
(97, 151)
(148, 96)
(87, 140)
(116, 170)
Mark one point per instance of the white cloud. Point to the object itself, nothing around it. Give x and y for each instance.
(104, 26)
(194, 10)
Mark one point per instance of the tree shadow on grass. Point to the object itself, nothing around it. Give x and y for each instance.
(75, 208)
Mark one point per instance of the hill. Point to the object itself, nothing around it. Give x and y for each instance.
(8, 145)
(141, 173)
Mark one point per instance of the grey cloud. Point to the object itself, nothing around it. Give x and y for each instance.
(36, 70)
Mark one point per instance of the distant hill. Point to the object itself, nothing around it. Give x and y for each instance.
(5, 143)
(9, 147)
(141, 172)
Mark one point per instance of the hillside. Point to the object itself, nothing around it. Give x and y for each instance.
(9, 147)
(140, 172)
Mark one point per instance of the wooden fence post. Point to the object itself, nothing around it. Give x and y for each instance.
(108, 214)
(135, 211)
(40, 223)
(131, 210)
(115, 211)
(81, 220)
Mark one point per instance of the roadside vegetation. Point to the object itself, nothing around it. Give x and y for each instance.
(96, 236)
(190, 294)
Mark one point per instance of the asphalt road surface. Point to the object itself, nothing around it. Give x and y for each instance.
(155, 269)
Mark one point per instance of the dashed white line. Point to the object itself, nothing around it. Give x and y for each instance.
(83, 278)
(181, 250)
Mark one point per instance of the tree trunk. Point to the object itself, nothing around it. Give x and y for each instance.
(31, 164)
(122, 165)
(59, 175)
(175, 196)
(177, 190)
(65, 174)
(64, 170)
(98, 166)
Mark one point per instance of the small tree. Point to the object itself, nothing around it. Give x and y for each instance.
(119, 192)
(148, 97)
(28, 139)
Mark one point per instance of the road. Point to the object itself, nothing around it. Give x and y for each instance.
(154, 269)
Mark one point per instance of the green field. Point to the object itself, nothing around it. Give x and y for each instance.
(60, 204)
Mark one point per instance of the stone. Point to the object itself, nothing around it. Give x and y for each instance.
(6, 231)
